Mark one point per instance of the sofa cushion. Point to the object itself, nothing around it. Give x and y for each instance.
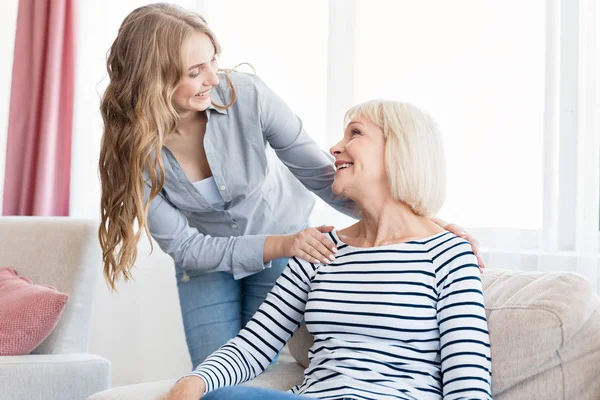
(280, 376)
(72, 376)
(535, 319)
(28, 312)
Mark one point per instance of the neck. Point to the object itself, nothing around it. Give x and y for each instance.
(189, 121)
(387, 221)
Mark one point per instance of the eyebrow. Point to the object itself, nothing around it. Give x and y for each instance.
(354, 122)
(200, 65)
(196, 66)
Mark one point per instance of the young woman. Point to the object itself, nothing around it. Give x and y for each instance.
(215, 167)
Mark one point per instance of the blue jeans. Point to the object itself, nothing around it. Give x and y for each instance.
(250, 393)
(215, 307)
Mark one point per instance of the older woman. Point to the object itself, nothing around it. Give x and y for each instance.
(399, 314)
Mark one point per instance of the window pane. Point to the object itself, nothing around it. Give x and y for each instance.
(478, 68)
(286, 42)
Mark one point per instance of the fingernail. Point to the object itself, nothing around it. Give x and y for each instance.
(315, 261)
(335, 250)
(326, 261)
(332, 257)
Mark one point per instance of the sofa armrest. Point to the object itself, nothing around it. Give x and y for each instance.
(57, 376)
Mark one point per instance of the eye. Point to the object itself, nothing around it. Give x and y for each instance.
(355, 132)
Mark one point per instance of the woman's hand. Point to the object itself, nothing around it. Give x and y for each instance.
(459, 231)
(188, 388)
(309, 244)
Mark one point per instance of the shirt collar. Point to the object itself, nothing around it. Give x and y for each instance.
(216, 96)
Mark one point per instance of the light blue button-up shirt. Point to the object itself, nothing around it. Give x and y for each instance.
(262, 161)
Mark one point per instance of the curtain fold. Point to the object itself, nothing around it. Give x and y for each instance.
(38, 151)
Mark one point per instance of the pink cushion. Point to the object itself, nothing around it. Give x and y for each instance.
(28, 312)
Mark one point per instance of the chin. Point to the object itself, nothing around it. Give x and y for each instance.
(336, 188)
(200, 105)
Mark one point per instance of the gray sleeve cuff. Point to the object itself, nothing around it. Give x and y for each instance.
(248, 255)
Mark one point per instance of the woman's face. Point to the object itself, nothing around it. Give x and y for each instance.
(193, 92)
(359, 160)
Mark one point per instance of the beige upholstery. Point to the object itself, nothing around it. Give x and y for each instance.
(281, 376)
(64, 253)
(544, 332)
(545, 336)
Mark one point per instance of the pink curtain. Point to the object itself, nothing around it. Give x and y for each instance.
(38, 152)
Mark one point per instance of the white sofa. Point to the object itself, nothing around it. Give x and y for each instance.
(544, 332)
(64, 253)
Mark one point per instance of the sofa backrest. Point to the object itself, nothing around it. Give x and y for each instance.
(62, 252)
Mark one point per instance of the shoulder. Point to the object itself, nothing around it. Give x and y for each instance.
(454, 263)
(448, 251)
(240, 80)
(250, 91)
(304, 269)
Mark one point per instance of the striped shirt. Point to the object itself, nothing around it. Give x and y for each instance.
(401, 321)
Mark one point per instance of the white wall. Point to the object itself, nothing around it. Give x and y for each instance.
(8, 25)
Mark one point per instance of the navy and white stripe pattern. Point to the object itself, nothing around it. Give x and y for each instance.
(403, 321)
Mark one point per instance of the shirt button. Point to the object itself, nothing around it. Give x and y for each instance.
(222, 187)
(234, 226)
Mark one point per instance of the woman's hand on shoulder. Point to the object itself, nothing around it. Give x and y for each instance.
(188, 388)
(459, 231)
(310, 244)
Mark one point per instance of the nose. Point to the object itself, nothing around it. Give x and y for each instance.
(213, 78)
(336, 149)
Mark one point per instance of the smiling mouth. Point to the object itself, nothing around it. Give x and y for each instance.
(202, 94)
(343, 166)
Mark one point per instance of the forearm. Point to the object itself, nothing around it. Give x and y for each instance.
(258, 343)
(275, 246)
(339, 203)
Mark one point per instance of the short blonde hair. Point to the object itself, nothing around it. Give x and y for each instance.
(414, 152)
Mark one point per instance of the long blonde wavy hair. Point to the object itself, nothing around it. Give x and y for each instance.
(145, 66)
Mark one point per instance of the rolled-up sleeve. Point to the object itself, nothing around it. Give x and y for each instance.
(238, 255)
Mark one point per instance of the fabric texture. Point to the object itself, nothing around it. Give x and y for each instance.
(53, 376)
(38, 147)
(28, 312)
(545, 335)
(69, 252)
(250, 393)
(404, 320)
(281, 376)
